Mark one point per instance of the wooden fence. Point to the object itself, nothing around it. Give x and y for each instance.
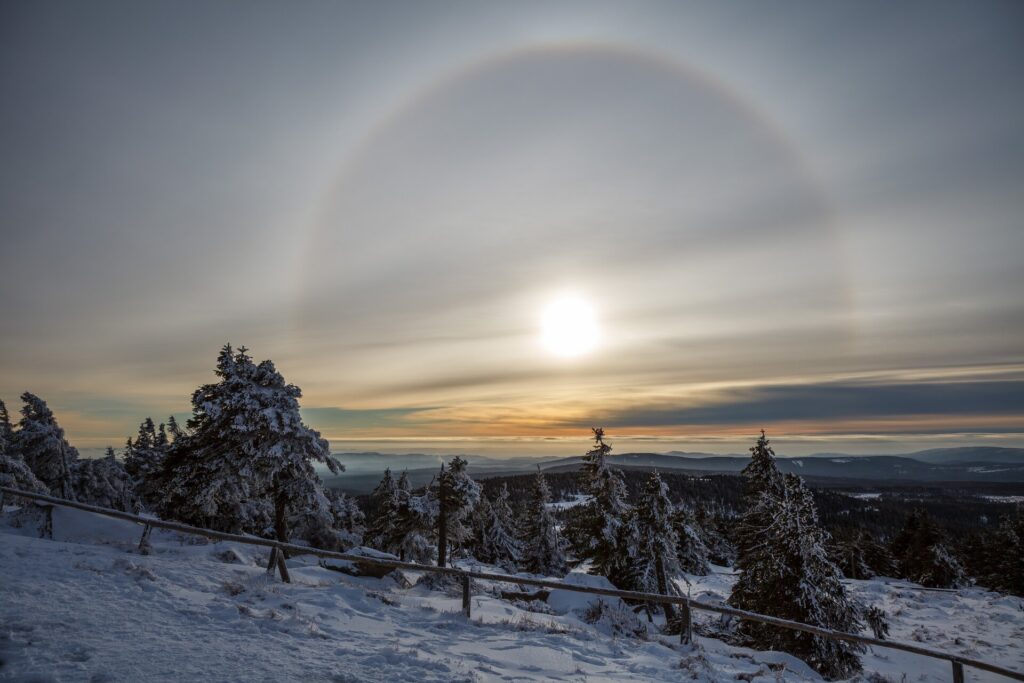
(686, 604)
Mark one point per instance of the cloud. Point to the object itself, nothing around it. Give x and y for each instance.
(833, 401)
(329, 419)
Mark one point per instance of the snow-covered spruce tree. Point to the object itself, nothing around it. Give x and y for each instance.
(497, 543)
(691, 551)
(657, 558)
(349, 519)
(413, 534)
(712, 528)
(457, 495)
(602, 528)
(6, 431)
(860, 556)
(40, 442)
(247, 459)
(384, 504)
(785, 570)
(510, 551)
(542, 546)
(1007, 556)
(848, 555)
(335, 523)
(174, 431)
(922, 557)
(104, 482)
(822, 599)
(14, 473)
(144, 459)
(761, 576)
(478, 523)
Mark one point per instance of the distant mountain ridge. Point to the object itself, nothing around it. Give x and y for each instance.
(965, 464)
(943, 464)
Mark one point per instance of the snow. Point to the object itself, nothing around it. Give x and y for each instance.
(88, 607)
(1004, 499)
(971, 622)
(575, 500)
(564, 602)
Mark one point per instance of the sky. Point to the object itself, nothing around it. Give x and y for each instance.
(797, 216)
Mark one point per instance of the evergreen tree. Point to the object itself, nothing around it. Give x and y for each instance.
(543, 553)
(761, 574)
(657, 557)
(922, 557)
(604, 530)
(173, 430)
(144, 459)
(413, 534)
(6, 431)
(711, 528)
(335, 523)
(859, 556)
(40, 443)
(147, 434)
(104, 482)
(161, 440)
(14, 473)
(691, 551)
(478, 524)
(1007, 556)
(457, 495)
(247, 460)
(785, 570)
(384, 501)
(497, 543)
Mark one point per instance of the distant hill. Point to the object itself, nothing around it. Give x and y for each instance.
(971, 454)
(1000, 467)
(970, 464)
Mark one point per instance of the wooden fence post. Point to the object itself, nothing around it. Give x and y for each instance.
(958, 672)
(47, 531)
(272, 562)
(686, 633)
(465, 595)
(285, 576)
(144, 546)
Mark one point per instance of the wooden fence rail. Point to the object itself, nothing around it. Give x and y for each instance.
(957, 662)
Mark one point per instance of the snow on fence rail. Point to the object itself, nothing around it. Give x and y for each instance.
(958, 663)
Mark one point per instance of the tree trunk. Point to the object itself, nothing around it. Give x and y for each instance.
(659, 569)
(442, 520)
(67, 491)
(442, 535)
(281, 518)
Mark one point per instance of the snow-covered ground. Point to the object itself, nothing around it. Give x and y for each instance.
(88, 607)
(573, 501)
(971, 622)
(1004, 499)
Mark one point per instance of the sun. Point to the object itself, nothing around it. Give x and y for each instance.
(569, 327)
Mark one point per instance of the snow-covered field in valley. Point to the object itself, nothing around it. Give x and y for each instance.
(87, 606)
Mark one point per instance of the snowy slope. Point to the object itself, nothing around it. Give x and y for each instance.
(971, 622)
(88, 607)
